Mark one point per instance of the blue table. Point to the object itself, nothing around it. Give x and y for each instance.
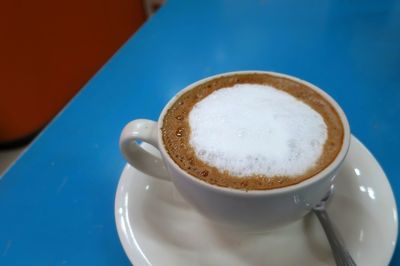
(56, 202)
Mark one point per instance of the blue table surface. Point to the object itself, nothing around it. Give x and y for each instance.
(57, 201)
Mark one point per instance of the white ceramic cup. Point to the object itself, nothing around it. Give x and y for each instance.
(242, 210)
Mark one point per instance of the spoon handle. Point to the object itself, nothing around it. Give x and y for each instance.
(340, 252)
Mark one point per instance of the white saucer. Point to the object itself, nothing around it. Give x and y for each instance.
(157, 227)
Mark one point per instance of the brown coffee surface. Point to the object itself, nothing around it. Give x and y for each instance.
(176, 132)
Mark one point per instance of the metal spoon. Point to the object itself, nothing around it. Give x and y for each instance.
(339, 250)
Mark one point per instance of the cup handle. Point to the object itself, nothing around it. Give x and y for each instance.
(147, 131)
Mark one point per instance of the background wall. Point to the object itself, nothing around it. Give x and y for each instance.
(49, 50)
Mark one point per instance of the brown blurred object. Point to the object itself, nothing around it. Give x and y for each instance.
(151, 6)
(50, 49)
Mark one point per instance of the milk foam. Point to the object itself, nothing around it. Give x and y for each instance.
(252, 129)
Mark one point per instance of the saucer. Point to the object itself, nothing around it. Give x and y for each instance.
(158, 227)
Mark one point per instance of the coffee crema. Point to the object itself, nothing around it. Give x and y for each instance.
(252, 131)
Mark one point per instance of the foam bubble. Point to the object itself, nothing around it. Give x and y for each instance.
(252, 129)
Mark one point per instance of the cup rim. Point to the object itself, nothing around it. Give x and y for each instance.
(305, 183)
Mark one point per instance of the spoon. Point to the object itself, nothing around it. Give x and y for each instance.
(339, 250)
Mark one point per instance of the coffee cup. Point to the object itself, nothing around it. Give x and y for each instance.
(240, 190)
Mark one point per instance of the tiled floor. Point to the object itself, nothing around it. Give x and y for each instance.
(7, 157)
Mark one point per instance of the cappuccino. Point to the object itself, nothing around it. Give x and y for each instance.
(252, 131)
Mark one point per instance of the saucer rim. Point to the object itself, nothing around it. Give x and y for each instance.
(134, 259)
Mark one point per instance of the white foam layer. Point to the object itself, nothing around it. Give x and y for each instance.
(252, 129)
